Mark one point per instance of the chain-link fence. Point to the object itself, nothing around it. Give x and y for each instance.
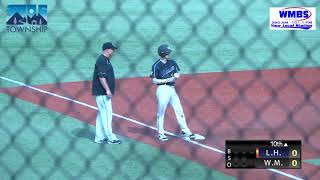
(240, 80)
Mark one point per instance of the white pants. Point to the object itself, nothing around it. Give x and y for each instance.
(167, 94)
(104, 119)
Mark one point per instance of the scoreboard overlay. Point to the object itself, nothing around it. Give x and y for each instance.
(263, 154)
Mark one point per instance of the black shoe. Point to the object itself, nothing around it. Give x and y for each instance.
(188, 135)
(192, 136)
(162, 137)
(101, 141)
(117, 141)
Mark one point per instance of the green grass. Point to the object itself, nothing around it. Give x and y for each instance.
(207, 49)
(36, 142)
(315, 162)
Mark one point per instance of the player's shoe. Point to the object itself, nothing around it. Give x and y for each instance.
(188, 135)
(162, 137)
(116, 141)
(105, 140)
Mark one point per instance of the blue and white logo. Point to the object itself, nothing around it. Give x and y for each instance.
(292, 18)
(27, 18)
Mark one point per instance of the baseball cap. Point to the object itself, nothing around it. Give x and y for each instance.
(108, 45)
(163, 50)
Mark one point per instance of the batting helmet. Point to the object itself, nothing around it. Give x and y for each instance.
(164, 50)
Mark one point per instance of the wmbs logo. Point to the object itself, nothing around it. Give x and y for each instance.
(292, 18)
(295, 13)
(27, 18)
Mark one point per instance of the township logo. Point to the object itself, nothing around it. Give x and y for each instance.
(27, 18)
(292, 18)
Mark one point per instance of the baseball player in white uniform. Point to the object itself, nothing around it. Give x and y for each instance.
(165, 72)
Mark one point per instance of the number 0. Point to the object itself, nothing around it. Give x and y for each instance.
(294, 163)
(294, 153)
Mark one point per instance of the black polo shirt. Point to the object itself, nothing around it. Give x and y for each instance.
(103, 68)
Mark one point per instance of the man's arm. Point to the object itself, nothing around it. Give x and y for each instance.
(161, 81)
(104, 83)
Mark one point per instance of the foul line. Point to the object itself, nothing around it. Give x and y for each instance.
(135, 121)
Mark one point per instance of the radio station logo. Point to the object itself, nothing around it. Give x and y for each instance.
(292, 18)
(27, 18)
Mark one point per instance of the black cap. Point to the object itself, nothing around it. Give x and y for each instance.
(164, 50)
(108, 45)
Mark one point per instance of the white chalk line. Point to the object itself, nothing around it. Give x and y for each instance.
(136, 122)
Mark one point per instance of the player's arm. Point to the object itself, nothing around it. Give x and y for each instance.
(104, 84)
(161, 81)
(176, 66)
(176, 75)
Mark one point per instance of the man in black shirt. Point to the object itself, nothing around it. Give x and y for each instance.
(103, 87)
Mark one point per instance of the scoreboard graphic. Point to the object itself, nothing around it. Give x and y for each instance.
(261, 154)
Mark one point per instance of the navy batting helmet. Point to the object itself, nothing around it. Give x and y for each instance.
(164, 50)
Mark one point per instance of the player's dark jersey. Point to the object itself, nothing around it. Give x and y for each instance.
(103, 68)
(166, 70)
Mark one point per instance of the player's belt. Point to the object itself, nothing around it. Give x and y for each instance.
(165, 84)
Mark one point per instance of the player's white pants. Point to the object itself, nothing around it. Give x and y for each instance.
(104, 119)
(167, 94)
